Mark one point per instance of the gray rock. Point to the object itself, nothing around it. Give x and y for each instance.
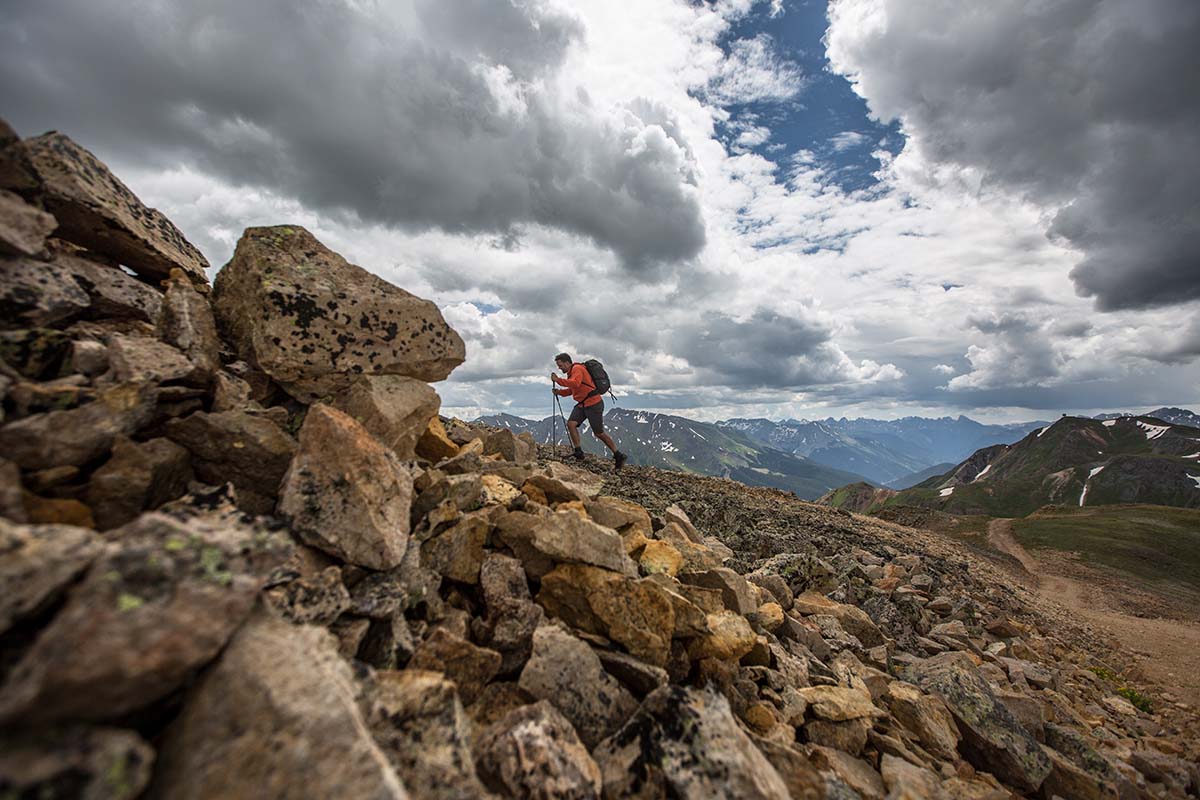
(159, 603)
(686, 743)
(142, 359)
(565, 671)
(395, 409)
(533, 752)
(79, 435)
(312, 321)
(276, 717)
(509, 446)
(568, 537)
(88, 357)
(419, 724)
(735, 590)
(77, 761)
(512, 616)
(347, 494)
(39, 562)
(186, 322)
(138, 477)
(308, 590)
(992, 738)
(95, 210)
(249, 451)
(23, 228)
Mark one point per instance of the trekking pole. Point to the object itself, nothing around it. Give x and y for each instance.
(553, 421)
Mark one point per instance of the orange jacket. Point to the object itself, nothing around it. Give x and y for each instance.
(579, 385)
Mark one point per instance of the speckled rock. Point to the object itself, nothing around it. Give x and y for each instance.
(992, 738)
(469, 666)
(313, 321)
(565, 671)
(279, 715)
(186, 321)
(419, 724)
(686, 743)
(23, 228)
(157, 605)
(96, 210)
(533, 752)
(141, 359)
(395, 409)
(347, 494)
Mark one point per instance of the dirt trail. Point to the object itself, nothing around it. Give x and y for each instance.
(1168, 646)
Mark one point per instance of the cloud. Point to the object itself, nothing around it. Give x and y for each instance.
(1090, 108)
(754, 72)
(847, 140)
(414, 114)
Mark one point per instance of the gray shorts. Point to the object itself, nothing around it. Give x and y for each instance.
(593, 414)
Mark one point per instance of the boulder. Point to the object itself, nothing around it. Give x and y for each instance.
(77, 761)
(728, 637)
(659, 556)
(533, 752)
(89, 358)
(1078, 770)
(625, 517)
(685, 743)
(469, 666)
(457, 552)
(419, 724)
(839, 703)
(926, 716)
(854, 773)
(992, 738)
(565, 671)
(509, 446)
(347, 494)
(905, 781)
(313, 321)
(79, 435)
(852, 618)
(139, 476)
(249, 451)
(512, 616)
(636, 614)
(735, 590)
(568, 537)
(637, 676)
(395, 409)
(849, 736)
(40, 562)
(186, 321)
(774, 584)
(434, 445)
(96, 210)
(308, 589)
(276, 717)
(159, 603)
(673, 513)
(68, 288)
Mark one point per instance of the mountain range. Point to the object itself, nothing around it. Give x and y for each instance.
(677, 443)
(1075, 461)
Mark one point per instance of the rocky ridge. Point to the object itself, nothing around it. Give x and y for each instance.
(243, 556)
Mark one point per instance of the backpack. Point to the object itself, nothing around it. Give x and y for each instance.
(599, 377)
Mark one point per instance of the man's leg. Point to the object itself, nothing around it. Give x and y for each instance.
(573, 432)
(608, 441)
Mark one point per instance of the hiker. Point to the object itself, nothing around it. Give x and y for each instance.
(589, 405)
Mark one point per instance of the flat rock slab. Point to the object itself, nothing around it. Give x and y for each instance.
(159, 603)
(96, 210)
(276, 717)
(992, 738)
(313, 321)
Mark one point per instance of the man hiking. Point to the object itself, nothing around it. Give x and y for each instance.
(589, 405)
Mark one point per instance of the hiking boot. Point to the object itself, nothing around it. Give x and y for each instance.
(577, 455)
(619, 459)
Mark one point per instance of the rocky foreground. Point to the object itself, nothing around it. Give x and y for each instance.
(241, 555)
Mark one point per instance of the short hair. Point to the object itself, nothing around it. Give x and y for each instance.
(564, 357)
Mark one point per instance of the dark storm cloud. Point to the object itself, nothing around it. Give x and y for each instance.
(767, 349)
(1091, 107)
(416, 115)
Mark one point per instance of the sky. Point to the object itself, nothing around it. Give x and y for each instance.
(780, 208)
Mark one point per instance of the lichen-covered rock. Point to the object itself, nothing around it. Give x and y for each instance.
(247, 450)
(313, 321)
(533, 752)
(68, 288)
(186, 322)
(853, 619)
(637, 614)
(23, 228)
(39, 561)
(78, 435)
(395, 409)
(992, 738)
(565, 671)
(347, 494)
(686, 743)
(276, 717)
(142, 359)
(926, 716)
(76, 761)
(735, 590)
(512, 616)
(308, 589)
(139, 476)
(158, 604)
(96, 210)
(419, 724)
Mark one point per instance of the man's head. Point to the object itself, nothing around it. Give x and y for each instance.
(564, 361)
